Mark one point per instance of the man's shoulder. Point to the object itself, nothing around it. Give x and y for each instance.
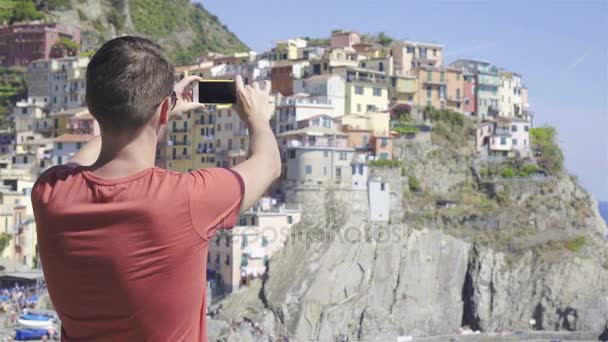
(57, 170)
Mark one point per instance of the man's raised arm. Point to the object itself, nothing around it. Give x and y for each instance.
(264, 164)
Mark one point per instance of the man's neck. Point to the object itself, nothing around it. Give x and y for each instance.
(121, 156)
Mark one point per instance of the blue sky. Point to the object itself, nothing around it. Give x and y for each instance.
(560, 47)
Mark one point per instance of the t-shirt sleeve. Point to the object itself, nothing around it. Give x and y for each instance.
(215, 199)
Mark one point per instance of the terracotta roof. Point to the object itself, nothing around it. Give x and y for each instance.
(84, 116)
(74, 138)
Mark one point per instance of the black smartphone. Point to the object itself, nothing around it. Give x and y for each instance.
(215, 91)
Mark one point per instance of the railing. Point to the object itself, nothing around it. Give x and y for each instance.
(179, 130)
(179, 143)
(204, 150)
(504, 131)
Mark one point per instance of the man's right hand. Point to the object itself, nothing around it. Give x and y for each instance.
(252, 102)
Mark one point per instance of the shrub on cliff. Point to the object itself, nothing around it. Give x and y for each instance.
(548, 154)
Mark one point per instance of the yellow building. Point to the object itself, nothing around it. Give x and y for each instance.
(403, 89)
(56, 123)
(287, 49)
(439, 87)
(365, 91)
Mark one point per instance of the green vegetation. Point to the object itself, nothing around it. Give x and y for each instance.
(450, 129)
(12, 88)
(385, 163)
(413, 183)
(67, 46)
(548, 153)
(161, 19)
(405, 129)
(13, 11)
(507, 172)
(380, 38)
(576, 244)
(5, 240)
(318, 41)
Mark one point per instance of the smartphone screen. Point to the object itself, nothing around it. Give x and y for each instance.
(217, 91)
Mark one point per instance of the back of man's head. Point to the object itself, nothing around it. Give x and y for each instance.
(127, 79)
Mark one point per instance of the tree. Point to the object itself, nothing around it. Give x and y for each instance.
(383, 39)
(66, 47)
(548, 154)
(25, 10)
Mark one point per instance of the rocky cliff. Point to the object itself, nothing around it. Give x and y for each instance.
(462, 250)
(183, 28)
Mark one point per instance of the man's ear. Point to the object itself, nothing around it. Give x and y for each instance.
(164, 112)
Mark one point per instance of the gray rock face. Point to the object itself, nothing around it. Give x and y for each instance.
(426, 275)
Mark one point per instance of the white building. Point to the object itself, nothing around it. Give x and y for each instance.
(360, 172)
(328, 86)
(299, 107)
(509, 95)
(59, 83)
(65, 146)
(379, 200)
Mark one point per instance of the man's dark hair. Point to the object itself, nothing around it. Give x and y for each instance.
(127, 79)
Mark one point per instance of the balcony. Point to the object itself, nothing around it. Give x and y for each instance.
(179, 130)
(178, 143)
(454, 99)
(204, 150)
(181, 157)
(237, 152)
(502, 131)
(314, 144)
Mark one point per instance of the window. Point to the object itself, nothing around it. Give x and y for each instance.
(342, 155)
(513, 128)
(377, 91)
(458, 94)
(370, 108)
(359, 90)
(514, 141)
(380, 66)
(429, 91)
(308, 169)
(503, 141)
(217, 241)
(434, 52)
(228, 260)
(384, 155)
(324, 170)
(442, 76)
(382, 186)
(78, 145)
(292, 154)
(289, 219)
(59, 145)
(326, 154)
(384, 142)
(429, 76)
(363, 64)
(410, 49)
(526, 128)
(338, 172)
(244, 243)
(457, 77)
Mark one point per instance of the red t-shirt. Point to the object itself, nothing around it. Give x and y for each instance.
(125, 259)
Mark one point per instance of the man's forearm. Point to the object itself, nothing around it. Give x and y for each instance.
(88, 154)
(263, 144)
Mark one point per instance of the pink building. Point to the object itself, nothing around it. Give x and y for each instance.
(343, 39)
(23, 43)
(470, 100)
(504, 137)
(83, 123)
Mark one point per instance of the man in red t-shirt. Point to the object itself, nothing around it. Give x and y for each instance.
(123, 244)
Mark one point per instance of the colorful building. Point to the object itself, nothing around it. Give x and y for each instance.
(344, 39)
(22, 43)
(366, 90)
(470, 99)
(486, 87)
(439, 87)
(239, 255)
(409, 55)
(287, 49)
(509, 92)
(504, 137)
